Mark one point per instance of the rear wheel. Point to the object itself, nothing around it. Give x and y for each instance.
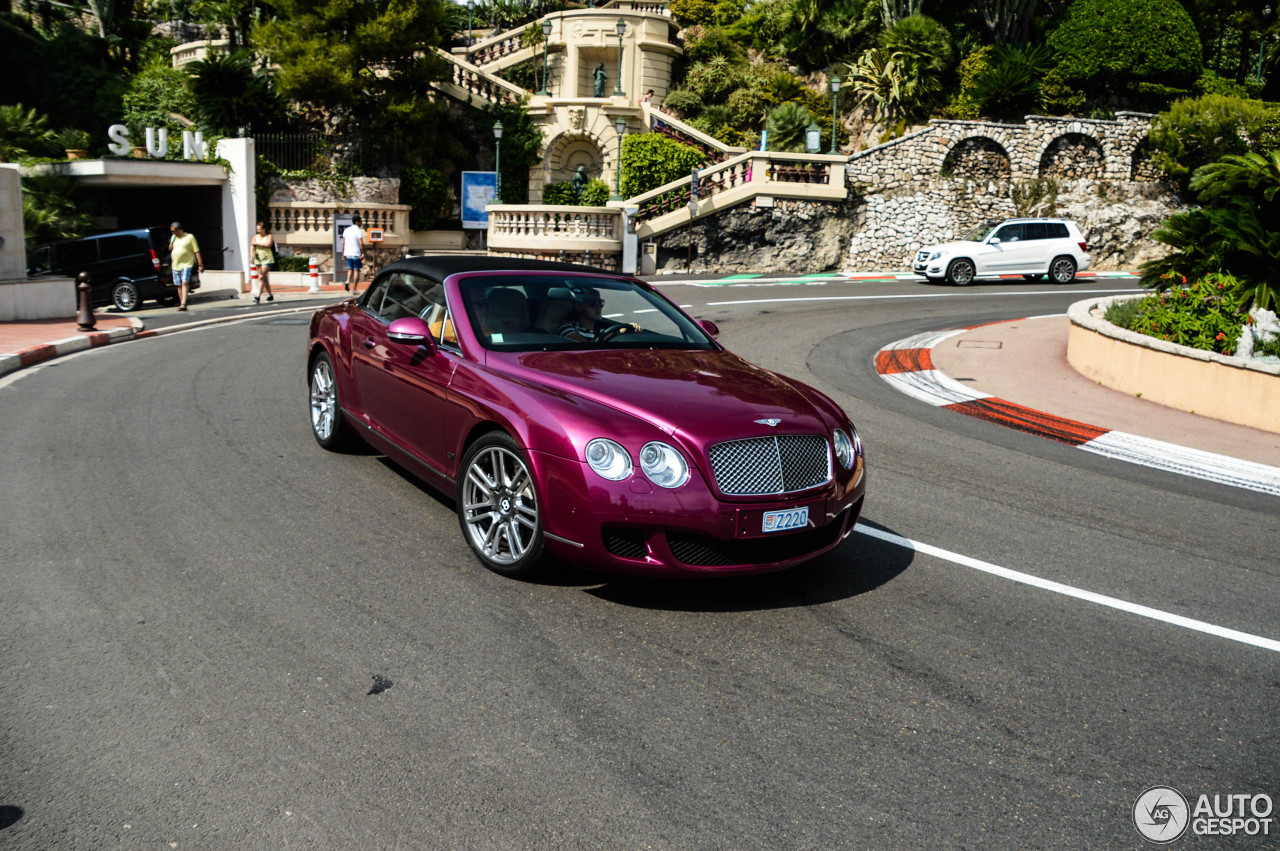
(330, 428)
(498, 507)
(961, 272)
(1062, 270)
(125, 296)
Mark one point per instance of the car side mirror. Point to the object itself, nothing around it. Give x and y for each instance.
(710, 327)
(995, 240)
(410, 331)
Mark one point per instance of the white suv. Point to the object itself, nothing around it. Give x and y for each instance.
(1031, 248)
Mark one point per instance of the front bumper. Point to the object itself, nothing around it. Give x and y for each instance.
(635, 527)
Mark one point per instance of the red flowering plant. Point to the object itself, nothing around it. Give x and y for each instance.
(1203, 314)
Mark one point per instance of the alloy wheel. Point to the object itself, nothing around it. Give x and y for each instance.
(324, 401)
(499, 506)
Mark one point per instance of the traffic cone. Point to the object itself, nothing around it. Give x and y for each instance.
(315, 276)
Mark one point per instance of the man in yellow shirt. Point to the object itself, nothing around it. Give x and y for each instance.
(183, 252)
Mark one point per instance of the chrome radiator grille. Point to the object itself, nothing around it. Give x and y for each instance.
(771, 465)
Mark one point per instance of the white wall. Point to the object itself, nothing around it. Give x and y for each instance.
(13, 252)
(238, 204)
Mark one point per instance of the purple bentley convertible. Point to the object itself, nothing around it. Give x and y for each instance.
(579, 413)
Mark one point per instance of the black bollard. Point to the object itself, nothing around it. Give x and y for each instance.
(85, 316)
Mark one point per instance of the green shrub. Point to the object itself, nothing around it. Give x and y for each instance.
(426, 190)
(650, 160)
(1202, 315)
(559, 194)
(1197, 131)
(1107, 47)
(1123, 314)
(787, 126)
(595, 194)
(683, 102)
(157, 93)
(293, 263)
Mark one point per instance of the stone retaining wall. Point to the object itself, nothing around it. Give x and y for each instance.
(1115, 218)
(1067, 148)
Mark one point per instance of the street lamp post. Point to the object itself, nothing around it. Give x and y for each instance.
(619, 124)
(497, 162)
(835, 101)
(617, 87)
(546, 48)
(471, 4)
(1262, 45)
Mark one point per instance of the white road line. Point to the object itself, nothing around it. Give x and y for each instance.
(1069, 591)
(924, 295)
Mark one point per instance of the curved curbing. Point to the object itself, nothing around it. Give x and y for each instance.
(1232, 389)
(908, 366)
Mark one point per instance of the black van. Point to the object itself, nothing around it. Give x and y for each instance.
(127, 267)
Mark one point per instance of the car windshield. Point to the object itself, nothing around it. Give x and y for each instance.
(527, 313)
(980, 232)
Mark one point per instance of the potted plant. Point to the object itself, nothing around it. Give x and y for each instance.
(75, 143)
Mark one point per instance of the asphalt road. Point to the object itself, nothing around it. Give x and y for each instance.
(196, 603)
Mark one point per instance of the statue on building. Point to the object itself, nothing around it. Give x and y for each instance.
(601, 78)
(579, 183)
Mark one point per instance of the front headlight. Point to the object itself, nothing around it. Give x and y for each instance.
(608, 459)
(844, 448)
(935, 255)
(664, 465)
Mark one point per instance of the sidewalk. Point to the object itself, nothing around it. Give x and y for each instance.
(29, 342)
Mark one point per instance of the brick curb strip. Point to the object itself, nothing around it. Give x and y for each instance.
(908, 365)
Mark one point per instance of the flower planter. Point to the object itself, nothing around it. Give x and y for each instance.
(1227, 388)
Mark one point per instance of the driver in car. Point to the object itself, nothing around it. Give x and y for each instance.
(585, 323)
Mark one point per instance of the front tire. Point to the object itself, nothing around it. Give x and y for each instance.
(328, 425)
(961, 272)
(1062, 270)
(498, 507)
(125, 296)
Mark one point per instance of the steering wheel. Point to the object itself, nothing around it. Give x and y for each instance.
(613, 332)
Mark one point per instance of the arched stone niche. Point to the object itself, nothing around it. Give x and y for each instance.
(1073, 156)
(570, 150)
(978, 157)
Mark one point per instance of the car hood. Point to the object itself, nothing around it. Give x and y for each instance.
(706, 396)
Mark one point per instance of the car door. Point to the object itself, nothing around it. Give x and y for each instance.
(1011, 254)
(404, 388)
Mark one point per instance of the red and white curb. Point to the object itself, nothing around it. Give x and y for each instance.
(908, 366)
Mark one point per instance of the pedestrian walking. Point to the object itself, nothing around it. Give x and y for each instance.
(263, 249)
(353, 253)
(184, 252)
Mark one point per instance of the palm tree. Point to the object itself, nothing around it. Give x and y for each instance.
(22, 132)
(787, 124)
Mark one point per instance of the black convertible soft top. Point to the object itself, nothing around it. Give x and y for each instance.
(440, 266)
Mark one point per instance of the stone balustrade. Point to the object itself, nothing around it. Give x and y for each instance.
(466, 81)
(194, 51)
(587, 235)
(301, 223)
(748, 175)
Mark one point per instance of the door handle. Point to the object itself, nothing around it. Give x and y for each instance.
(369, 343)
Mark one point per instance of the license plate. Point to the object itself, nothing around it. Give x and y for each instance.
(789, 518)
